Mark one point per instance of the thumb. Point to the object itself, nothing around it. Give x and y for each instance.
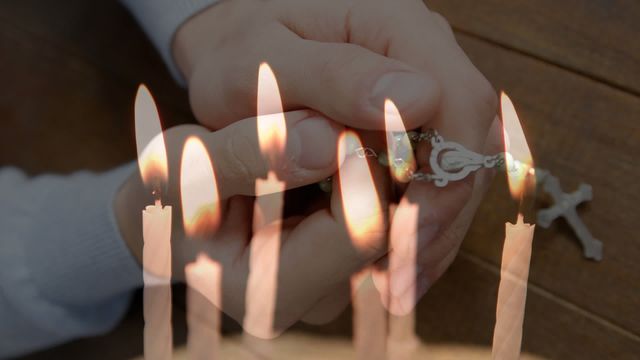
(309, 154)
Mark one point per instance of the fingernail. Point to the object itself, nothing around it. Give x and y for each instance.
(426, 234)
(404, 88)
(403, 278)
(313, 143)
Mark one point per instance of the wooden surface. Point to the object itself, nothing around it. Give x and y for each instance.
(572, 68)
(597, 39)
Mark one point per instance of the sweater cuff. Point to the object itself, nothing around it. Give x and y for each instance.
(79, 256)
(160, 19)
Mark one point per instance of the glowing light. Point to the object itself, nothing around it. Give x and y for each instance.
(262, 282)
(272, 128)
(402, 162)
(519, 161)
(199, 191)
(152, 153)
(362, 209)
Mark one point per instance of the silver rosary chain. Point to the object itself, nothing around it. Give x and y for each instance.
(449, 161)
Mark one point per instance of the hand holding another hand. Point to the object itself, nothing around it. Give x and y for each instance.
(317, 255)
(343, 58)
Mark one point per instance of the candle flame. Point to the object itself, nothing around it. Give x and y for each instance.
(402, 162)
(272, 128)
(518, 160)
(199, 191)
(362, 209)
(152, 153)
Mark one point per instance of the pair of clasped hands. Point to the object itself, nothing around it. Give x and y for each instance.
(336, 62)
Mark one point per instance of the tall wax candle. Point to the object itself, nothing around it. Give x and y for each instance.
(201, 219)
(204, 278)
(403, 243)
(363, 218)
(369, 318)
(516, 252)
(156, 259)
(512, 293)
(262, 283)
(156, 230)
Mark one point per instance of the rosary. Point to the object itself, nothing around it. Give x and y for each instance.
(450, 161)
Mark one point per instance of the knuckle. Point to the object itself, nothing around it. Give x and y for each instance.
(348, 58)
(242, 160)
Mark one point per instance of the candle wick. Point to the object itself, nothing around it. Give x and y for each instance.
(157, 194)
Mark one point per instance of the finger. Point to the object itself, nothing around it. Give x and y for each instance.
(350, 236)
(309, 155)
(407, 31)
(346, 82)
(351, 83)
(433, 244)
(453, 234)
(324, 237)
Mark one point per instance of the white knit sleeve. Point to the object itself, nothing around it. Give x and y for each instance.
(65, 271)
(160, 19)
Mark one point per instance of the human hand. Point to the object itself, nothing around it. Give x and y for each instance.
(343, 58)
(309, 244)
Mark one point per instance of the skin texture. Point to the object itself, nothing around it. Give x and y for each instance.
(341, 59)
(313, 241)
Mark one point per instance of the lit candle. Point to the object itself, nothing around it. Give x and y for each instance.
(265, 246)
(403, 243)
(516, 254)
(363, 216)
(369, 318)
(156, 255)
(201, 218)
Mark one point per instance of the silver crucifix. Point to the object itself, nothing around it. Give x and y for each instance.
(565, 206)
(450, 161)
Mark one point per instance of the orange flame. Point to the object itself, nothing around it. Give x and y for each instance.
(152, 153)
(402, 162)
(272, 128)
(518, 160)
(199, 191)
(362, 209)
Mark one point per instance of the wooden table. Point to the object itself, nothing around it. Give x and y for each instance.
(572, 67)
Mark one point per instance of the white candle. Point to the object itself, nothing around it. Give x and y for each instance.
(204, 279)
(369, 318)
(516, 253)
(156, 259)
(402, 341)
(201, 218)
(363, 216)
(156, 230)
(262, 283)
(512, 293)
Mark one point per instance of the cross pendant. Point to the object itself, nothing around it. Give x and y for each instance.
(565, 206)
